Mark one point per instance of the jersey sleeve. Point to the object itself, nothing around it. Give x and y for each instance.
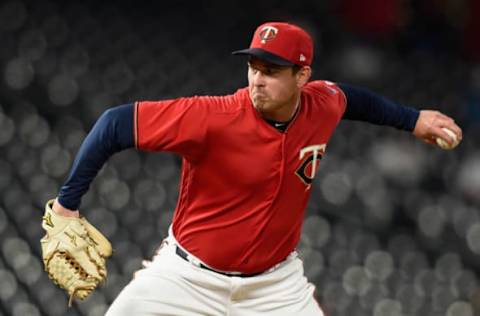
(177, 125)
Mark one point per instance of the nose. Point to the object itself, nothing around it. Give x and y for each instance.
(258, 79)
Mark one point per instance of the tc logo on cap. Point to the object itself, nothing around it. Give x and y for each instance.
(281, 44)
(268, 33)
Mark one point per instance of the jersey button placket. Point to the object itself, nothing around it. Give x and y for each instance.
(280, 172)
(282, 163)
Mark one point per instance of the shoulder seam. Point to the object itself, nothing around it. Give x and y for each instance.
(344, 96)
(135, 124)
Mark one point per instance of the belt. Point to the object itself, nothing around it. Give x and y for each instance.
(182, 254)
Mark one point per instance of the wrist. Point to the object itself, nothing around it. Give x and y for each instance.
(63, 211)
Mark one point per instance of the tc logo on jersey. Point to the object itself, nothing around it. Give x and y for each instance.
(310, 156)
(268, 33)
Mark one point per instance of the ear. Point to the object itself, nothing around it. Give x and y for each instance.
(303, 75)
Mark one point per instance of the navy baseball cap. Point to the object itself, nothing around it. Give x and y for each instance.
(280, 43)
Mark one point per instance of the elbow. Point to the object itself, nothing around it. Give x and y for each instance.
(117, 125)
(108, 117)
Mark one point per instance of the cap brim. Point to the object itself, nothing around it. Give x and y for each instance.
(264, 55)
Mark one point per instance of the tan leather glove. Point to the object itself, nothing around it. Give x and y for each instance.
(74, 253)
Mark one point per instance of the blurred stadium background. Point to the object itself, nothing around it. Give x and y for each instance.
(393, 227)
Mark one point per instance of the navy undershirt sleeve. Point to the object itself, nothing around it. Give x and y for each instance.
(112, 133)
(365, 105)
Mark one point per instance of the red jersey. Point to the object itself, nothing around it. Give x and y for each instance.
(245, 184)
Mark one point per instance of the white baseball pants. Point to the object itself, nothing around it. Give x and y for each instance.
(170, 285)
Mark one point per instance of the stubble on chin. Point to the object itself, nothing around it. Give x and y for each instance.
(258, 104)
(259, 100)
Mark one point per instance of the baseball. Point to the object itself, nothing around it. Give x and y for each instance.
(443, 144)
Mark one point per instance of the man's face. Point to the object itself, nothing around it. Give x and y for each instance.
(272, 88)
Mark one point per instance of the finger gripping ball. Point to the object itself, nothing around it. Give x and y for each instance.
(443, 144)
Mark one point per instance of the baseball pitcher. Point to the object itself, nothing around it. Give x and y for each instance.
(249, 160)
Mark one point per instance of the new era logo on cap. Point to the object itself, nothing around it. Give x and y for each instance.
(282, 44)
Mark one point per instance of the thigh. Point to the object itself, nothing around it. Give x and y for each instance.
(284, 292)
(277, 305)
(169, 286)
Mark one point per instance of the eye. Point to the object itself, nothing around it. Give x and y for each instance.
(269, 71)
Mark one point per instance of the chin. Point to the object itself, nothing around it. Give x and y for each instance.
(261, 106)
(258, 104)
